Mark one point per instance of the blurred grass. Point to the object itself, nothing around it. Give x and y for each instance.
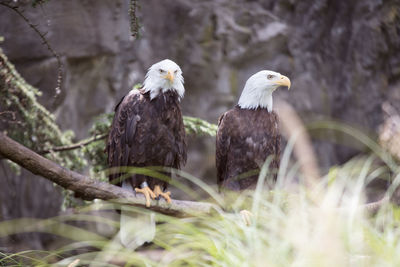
(288, 228)
(291, 224)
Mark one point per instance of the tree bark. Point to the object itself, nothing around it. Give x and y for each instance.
(89, 188)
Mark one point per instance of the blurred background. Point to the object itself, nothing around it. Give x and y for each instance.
(343, 58)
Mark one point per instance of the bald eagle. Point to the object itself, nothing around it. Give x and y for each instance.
(147, 130)
(248, 134)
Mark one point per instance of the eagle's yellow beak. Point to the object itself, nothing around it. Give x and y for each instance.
(283, 81)
(170, 76)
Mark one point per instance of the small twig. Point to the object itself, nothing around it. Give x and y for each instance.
(45, 42)
(12, 121)
(13, 117)
(374, 207)
(389, 110)
(74, 146)
(263, 12)
(7, 112)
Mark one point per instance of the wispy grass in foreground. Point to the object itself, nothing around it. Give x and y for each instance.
(326, 225)
(289, 228)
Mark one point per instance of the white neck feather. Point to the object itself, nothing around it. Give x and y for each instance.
(255, 96)
(155, 86)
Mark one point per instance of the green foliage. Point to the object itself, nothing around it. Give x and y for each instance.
(28, 122)
(95, 151)
(25, 120)
(199, 127)
(35, 3)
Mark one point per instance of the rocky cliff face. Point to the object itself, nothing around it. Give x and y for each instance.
(343, 58)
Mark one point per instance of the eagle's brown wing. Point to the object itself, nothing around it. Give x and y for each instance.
(123, 128)
(277, 160)
(222, 148)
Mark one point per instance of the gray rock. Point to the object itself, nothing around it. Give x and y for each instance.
(343, 58)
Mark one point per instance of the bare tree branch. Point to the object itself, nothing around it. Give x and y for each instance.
(74, 146)
(89, 188)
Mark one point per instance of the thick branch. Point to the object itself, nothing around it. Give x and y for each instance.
(87, 187)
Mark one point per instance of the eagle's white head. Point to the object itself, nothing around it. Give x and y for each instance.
(163, 76)
(257, 92)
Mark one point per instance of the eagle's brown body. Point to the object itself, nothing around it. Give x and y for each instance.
(245, 139)
(144, 133)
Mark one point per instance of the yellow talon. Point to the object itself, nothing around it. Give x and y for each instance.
(146, 191)
(159, 192)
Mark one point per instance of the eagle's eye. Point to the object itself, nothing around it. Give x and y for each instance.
(269, 77)
(161, 70)
(176, 71)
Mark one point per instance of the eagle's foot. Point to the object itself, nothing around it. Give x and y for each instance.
(146, 191)
(246, 217)
(159, 192)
